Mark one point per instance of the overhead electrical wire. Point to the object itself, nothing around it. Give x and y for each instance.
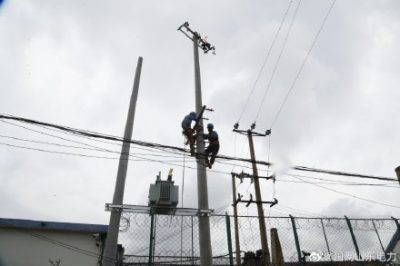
(278, 60)
(83, 143)
(303, 64)
(140, 159)
(115, 138)
(338, 183)
(85, 148)
(266, 59)
(350, 195)
(152, 145)
(340, 173)
(341, 181)
(96, 148)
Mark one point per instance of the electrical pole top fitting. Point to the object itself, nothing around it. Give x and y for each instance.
(201, 42)
(250, 130)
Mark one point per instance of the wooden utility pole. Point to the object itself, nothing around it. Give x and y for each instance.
(261, 218)
(397, 170)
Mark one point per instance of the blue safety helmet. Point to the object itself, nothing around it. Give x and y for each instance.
(210, 126)
(192, 115)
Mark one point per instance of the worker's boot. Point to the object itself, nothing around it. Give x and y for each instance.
(208, 163)
(191, 150)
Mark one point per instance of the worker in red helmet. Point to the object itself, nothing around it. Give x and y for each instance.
(213, 146)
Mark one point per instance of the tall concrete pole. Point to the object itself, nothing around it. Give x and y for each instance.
(115, 217)
(261, 218)
(202, 190)
(397, 170)
(235, 216)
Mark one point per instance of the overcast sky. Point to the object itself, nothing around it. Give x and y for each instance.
(73, 63)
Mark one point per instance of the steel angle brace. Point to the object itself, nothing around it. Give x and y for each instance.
(149, 209)
(243, 175)
(250, 201)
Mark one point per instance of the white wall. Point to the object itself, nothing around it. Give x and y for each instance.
(21, 248)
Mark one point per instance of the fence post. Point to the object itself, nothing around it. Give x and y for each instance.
(353, 237)
(228, 234)
(326, 240)
(377, 234)
(151, 238)
(296, 238)
(395, 239)
(397, 222)
(192, 244)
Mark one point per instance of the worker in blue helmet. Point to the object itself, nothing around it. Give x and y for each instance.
(213, 146)
(188, 130)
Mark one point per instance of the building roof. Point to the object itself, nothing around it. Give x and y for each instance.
(52, 226)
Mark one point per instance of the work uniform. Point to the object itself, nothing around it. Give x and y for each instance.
(188, 131)
(212, 148)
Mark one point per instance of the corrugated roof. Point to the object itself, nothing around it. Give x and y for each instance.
(53, 226)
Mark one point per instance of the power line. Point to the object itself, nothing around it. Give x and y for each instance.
(337, 181)
(339, 184)
(303, 64)
(163, 148)
(278, 59)
(119, 139)
(266, 59)
(350, 195)
(139, 159)
(84, 143)
(340, 173)
(84, 148)
(96, 148)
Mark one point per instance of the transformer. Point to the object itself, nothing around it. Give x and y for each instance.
(163, 195)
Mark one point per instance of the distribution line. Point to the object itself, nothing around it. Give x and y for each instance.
(84, 148)
(94, 148)
(115, 138)
(82, 155)
(339, 182)
(302, 65)
(278, 60)
(155, 146)
(266, 59)
(350, 195)
(140, 159)
(119, 144)
(340, 173)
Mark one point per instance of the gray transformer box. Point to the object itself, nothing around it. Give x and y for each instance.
(163, 194)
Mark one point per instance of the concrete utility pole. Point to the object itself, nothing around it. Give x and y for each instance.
(235, 216)
(260, 210)
(397, 170)
(202, 190)
(115, 217)
(261, 219)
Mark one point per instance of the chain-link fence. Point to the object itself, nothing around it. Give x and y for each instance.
(175, 239)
